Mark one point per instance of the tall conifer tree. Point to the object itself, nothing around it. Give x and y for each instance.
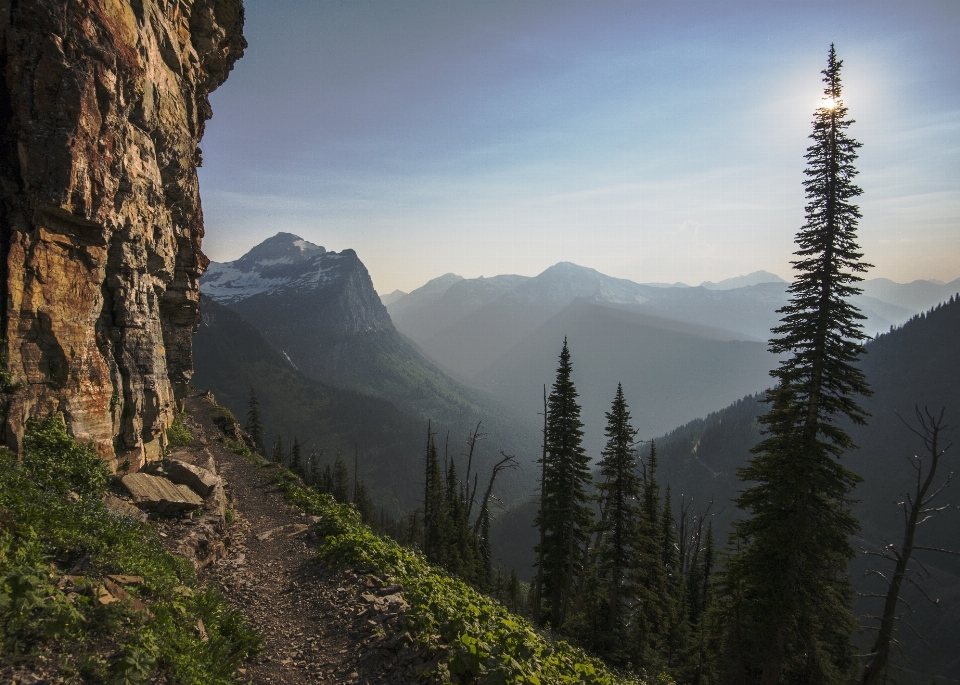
(434, 507)
(620, 499)
(565, 515)
(254, 427)
(649, 576)
(341, 480)
(787, 584)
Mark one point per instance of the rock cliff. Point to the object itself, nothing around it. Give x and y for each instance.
(102, 107)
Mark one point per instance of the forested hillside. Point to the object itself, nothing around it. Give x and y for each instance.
(914, 365)
(231, 357)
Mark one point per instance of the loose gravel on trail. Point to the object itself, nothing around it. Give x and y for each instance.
(321, 623)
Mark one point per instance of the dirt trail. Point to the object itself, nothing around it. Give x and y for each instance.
(317, 627)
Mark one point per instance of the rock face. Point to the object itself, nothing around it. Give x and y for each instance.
(286, 282)
(102, 106)
(318, 308)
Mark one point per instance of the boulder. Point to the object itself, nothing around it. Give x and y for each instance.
(121, 507)
(159, 495)
(200, 480)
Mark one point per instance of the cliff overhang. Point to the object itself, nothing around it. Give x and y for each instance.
(102, 108)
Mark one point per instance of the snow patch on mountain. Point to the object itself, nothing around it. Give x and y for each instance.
(227, 283)
(283, 261)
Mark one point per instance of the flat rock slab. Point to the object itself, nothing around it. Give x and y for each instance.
(121, 507)
(159, 495)
(200, 480)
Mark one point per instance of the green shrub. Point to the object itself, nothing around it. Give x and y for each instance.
(178, 435)
(53, 519)
(222, 415)
(486, 641)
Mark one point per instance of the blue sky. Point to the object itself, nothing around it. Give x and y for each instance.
(652, 141)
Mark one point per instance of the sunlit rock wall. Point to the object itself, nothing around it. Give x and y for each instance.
(102, 107)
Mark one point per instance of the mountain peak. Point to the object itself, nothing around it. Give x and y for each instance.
(390, 298)
(282, 248)
(281, 261)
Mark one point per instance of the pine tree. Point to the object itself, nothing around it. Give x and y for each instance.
(327, 480)
(485, 561)
(620, 499)
(278, 453)
(788, 587)
(564, 515)
(254, 427)
(514, 593)
(341, 481)
(435, 519)
(296, 458)
(701, 617)
(649, 576)
(314, 468)
(364, 504)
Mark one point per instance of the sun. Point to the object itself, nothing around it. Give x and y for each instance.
(828, 103)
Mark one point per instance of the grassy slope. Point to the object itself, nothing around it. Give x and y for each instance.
(53, 522)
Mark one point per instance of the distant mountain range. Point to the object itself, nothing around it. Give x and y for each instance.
(320, 314)
(755, 278)
(680, 351)
(745, 305)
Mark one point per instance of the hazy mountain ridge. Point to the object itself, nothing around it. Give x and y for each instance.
(754, 278)
(445, 303)
(334, 329)
(467, 338)
(390, 298)
(671, 371)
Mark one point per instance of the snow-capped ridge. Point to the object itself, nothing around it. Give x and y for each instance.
(282, 261)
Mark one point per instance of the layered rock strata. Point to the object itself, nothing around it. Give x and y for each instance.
(102, 107)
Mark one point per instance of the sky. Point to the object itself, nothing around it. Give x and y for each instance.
(654, 141)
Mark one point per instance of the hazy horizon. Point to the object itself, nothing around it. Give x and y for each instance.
(652, 142)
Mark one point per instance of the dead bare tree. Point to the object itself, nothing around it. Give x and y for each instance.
(918, 507)
(508, 461)
(690, 533)
(472, 441)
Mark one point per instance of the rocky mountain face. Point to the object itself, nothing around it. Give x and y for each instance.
(232, 357)
(311, 304)
(102, 108)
